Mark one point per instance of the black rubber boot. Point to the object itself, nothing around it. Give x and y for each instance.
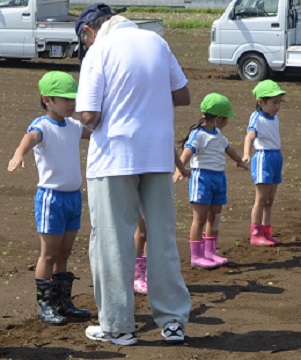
(66, 307)
(47, 297)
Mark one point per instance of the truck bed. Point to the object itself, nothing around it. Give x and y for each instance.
(66, 30)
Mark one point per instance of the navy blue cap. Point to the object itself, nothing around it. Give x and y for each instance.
(91, 13)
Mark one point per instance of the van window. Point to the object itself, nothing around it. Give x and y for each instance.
(255, 8)
(13, 3)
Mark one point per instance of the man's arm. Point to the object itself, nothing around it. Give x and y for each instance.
(181, 97)
(90, 119)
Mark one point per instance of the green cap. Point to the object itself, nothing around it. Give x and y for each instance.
(217, 104)
(58, 83)
(267, 88)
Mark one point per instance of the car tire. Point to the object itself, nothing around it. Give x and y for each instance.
(253, 67)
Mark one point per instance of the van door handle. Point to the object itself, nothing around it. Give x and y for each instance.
(26, 14)
(275, 25)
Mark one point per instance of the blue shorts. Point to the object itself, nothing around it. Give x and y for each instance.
(266, 167)
(57, 211)
(208, 187)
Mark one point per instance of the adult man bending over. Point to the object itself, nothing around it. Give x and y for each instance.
(129, 84)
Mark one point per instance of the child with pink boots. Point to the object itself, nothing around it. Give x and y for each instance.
(140, 282)
(205, 148)
(266, 163)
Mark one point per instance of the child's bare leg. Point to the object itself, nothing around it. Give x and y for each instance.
(140, 237)
(267, 210)
(50, 249)
(199, 217)
(213, 218)
(140, 283)
(261, 197)
(267, 216)
(65, 250)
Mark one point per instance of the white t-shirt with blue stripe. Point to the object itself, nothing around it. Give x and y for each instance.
(57, 155)
(208, 149)
(267, 131)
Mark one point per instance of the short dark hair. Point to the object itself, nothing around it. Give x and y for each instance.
(43, 105)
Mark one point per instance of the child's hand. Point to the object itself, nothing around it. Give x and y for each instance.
(177, 176)
(15, 162)
(246, 159)
(186, 173)
(242, 164)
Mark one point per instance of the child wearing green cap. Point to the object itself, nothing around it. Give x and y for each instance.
(266, 163)
(55, 139)
(205, 148)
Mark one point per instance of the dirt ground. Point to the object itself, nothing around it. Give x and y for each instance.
(249, 309)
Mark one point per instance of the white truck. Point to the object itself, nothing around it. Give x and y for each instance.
(44, 29)
(259, 36)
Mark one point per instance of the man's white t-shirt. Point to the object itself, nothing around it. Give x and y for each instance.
(128, 76)
(57, 155)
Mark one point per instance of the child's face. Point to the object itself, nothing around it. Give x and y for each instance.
(221, 122)
(271, 106)
(58, 108)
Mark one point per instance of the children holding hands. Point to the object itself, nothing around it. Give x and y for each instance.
(266, 164)
(205, 148)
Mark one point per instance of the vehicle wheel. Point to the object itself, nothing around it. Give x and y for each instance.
(253, 67)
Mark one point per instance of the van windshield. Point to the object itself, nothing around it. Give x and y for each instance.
(13, 3)
(255, 8)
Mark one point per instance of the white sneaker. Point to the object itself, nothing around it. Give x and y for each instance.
(173, 332)
(124, 338)
(96, 333)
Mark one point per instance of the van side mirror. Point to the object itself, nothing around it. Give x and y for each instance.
(232, 14)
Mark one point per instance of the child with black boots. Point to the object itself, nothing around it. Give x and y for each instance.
(55, 140)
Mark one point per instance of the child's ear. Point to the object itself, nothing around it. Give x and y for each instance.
(260, 101)
(46, 100)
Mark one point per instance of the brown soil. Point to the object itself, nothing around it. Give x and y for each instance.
(249, 309)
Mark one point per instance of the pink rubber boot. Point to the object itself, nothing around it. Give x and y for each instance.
(210, 251)
(140, 285)
(268, 234)
(197, 251)
(258, 237)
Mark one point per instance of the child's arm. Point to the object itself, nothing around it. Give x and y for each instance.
(185, 157)
(249, 139)
(231, 152)
(27, 143)
(180, 166)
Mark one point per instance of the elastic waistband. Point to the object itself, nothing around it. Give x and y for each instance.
(210, 172)
(58, 192)
(268, 150)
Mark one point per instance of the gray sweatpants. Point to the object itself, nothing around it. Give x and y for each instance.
(114, 203)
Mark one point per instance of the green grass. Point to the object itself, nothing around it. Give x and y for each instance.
(173, 18)
(164, 9)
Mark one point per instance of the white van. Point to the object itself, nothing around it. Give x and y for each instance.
(259, 36)
(44, 29)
